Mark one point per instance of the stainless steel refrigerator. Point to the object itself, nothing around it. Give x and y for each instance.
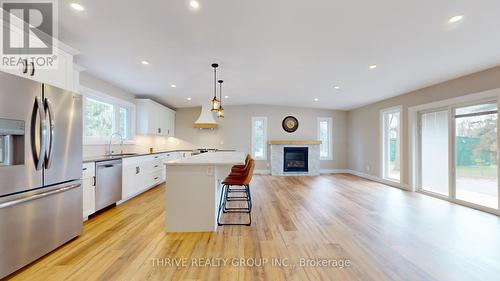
(40, 170)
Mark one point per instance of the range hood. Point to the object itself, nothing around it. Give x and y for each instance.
(206, 119)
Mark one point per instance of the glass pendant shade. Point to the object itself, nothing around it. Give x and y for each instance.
(215, 104)
(220, 112)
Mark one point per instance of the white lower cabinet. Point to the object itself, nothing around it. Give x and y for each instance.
(140, 173)
(88, 187)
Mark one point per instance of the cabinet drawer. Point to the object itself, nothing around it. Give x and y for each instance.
(156, 178)
(88, 170)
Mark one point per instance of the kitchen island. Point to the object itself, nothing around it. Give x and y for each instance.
(193, 187)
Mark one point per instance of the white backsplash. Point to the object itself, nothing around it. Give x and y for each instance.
(141, 145)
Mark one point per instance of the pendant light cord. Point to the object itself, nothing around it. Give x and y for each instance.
(220, 92)
(215, 82)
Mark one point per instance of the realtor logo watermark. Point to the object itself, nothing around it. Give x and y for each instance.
(28, 30)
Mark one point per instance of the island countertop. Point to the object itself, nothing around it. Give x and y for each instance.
(211, 158)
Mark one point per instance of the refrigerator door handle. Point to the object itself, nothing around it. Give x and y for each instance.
(51, 124)
(38, 157)
(37, 196)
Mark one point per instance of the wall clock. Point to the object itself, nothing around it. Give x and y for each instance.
(290, 124)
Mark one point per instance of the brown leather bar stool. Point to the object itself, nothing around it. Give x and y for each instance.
(241, 168)
(243, 180)
(238, 171)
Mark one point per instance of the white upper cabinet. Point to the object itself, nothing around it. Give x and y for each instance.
(154, 119)
(62, 73)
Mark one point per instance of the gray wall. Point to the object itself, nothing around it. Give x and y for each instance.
(364, 128)
(235, 131)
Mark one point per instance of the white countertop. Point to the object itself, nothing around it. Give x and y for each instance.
(211, 158)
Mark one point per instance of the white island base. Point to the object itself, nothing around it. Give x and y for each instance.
(193, 188)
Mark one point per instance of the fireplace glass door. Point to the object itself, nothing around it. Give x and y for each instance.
(295, 159)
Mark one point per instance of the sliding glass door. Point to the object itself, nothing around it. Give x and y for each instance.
(434, 152)
(458, 154)
(476, 154)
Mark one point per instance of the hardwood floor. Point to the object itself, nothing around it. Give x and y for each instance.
(382, 232)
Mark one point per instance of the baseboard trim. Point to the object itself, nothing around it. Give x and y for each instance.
(380, 180)
(352, 172)
(334, 171)
(321, 171)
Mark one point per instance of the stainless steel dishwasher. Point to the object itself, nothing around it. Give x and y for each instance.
(108, 188)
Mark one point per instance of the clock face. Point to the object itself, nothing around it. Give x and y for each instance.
(290, 124)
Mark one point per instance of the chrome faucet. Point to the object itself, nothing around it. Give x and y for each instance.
(111, 140)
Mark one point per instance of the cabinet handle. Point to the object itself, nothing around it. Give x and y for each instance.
(156, 178)
(156, 166)
(94, 181)
(159, 130)
(137, 170)
(156, 157)
(32, 69)
(84, 169)
(25, 66)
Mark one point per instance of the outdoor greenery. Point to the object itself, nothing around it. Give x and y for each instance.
(98, 118)
(477, 171)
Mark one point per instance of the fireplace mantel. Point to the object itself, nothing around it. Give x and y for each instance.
(295, 142)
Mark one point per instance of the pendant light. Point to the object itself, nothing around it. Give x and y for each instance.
(220, 112)
(215, 101)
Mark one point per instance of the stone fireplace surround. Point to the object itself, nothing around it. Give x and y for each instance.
(277, 151)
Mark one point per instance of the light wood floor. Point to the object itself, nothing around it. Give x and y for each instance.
(385, 233)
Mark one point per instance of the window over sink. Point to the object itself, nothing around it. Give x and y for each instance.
(104, 116)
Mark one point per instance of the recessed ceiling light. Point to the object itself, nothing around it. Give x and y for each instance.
(173, 86)
(455, 19)
(194, 4)
(373, 66)
(226, 97)
(77, 7)
(188, 98)
(316, 99)
(145, 62)
(336, 87)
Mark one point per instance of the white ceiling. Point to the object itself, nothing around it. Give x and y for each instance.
(282, 52)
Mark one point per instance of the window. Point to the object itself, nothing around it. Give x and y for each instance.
(325, 136)
(259, 138)
(104, 115)
(390, 120)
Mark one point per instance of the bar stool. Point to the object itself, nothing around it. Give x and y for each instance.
(238, 171)
(242, 167)
(243, 181)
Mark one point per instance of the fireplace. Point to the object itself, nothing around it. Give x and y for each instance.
(295, 159)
